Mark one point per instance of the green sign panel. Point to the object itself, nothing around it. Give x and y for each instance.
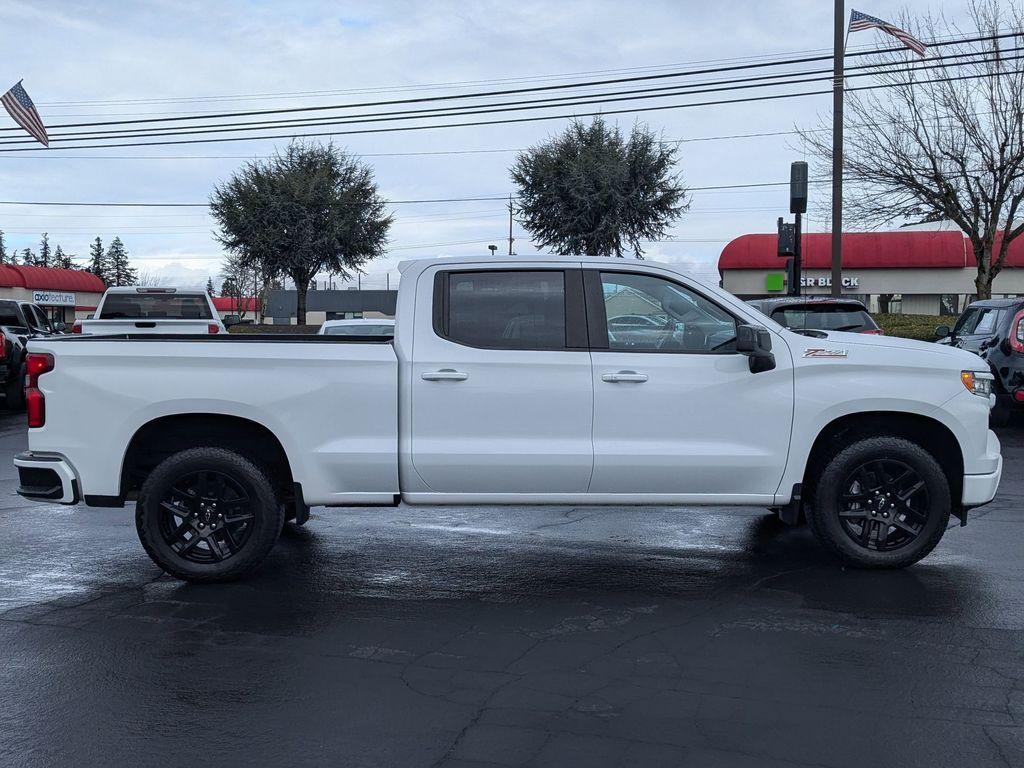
(775, 282)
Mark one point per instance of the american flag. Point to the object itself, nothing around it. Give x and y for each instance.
(860, 21)
(20, 107)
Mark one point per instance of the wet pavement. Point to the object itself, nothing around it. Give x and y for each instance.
(484, 637)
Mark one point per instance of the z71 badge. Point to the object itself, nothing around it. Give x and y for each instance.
(822, 352)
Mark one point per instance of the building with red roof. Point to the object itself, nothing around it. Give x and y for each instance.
(64, 294)
(925, 271)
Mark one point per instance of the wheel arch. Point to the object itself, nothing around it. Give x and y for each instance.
(169, 434)
(931, 434)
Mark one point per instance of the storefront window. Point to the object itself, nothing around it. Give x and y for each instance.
(949, 304)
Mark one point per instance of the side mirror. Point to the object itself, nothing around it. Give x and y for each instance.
(942, 332)
(59, 327)
(756, 343)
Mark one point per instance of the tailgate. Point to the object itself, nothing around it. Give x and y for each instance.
(116, 327)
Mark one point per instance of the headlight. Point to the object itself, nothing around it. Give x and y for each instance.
(977, 383)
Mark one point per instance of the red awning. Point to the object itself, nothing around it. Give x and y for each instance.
(864, 250)
(49, 279)
(231, 304)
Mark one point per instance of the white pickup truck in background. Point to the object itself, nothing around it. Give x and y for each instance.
(152, 311)
(536, 380)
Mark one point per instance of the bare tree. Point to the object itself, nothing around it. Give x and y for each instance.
(944, 137)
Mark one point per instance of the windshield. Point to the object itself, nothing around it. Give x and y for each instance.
(825, 317)
(979, 321)
(360, 330)
(155, 306)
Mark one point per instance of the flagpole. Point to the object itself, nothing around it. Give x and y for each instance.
(839, 24)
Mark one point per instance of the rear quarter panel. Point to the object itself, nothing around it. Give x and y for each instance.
(333, 406)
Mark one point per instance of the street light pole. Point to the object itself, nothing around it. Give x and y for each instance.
(838, 51)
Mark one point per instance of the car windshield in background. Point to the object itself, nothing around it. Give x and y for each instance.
(359, 330)
(826, 317)
(9, 316)
(155, 306)
(979, 321)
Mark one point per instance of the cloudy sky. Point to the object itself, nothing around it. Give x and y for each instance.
(113, 60)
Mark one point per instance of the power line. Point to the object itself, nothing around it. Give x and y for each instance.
(505, 121)
(533, 89)
(757, 82)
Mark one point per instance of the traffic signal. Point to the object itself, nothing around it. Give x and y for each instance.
(798, 187)
(787, 238)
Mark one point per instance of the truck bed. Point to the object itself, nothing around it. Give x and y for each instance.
(331, 402)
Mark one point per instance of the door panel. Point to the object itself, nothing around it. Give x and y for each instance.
(487, 419)
(675, 411)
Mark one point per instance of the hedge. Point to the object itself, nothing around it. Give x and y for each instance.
(913, 326)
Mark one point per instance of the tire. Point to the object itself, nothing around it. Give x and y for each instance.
(862, 511)
(208, 515)
(14, 391)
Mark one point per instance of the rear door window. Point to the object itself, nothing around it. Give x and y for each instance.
(155, 306)
(493, 309)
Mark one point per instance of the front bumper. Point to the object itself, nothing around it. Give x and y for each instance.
(45, 477)
(981, 489)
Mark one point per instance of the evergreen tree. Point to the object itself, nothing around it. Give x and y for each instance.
(209, 286)
(3, 248)
(28, 258)
(44, 251)
(98, 264)
(121, 271)
(62, 260)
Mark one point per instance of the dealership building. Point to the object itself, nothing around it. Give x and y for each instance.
(915, 272)
(64, 294)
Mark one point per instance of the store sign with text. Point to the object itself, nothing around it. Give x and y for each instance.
(53, 298)
(826, 282)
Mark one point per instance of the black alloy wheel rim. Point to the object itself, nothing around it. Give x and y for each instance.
(883, 505)
(206, 517)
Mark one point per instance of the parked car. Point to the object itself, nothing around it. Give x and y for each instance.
(994, 329)
(503, 385)
(152, 311)
(358, 327)
(19, 322)
(818, 313)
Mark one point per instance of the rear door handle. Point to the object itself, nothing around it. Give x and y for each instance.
(445, 374)
(633, 376)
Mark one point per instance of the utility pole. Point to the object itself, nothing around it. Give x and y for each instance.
(510, 238)
(838, 52)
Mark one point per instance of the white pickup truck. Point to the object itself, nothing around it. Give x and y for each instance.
(151, 311)
(531, 381)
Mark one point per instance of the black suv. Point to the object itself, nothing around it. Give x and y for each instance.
(818, 313)
(19, 322)
(994, 328)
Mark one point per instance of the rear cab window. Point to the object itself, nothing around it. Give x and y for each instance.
(825, 317)
(155, 306)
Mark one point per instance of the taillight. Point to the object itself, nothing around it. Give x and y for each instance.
(76, 327)
(3, 346)
(1017, 332)
(36, 364)
(213, 328)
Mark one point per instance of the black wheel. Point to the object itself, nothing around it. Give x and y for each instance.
(883, 502)
(14, 391)
(207, 514)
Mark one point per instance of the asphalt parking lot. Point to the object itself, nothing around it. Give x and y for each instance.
(455, 637)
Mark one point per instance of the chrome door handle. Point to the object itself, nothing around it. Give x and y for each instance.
(445, 374)
(624, 376)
